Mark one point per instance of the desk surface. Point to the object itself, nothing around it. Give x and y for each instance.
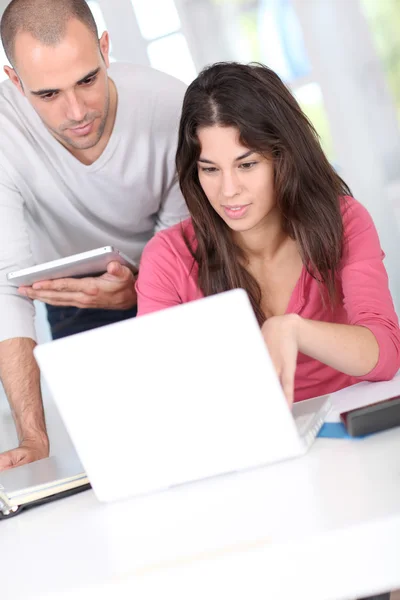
(325, 526)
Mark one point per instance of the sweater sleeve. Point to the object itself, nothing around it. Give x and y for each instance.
(366, 295)
(157, 285)
(16, 312)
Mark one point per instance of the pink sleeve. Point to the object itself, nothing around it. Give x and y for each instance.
(156, 285)
(367, 298)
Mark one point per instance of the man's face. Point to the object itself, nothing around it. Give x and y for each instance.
(66, 84)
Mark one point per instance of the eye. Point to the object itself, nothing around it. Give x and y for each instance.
(247, 166)
(89, 80)
(50, 96)
(208, 169)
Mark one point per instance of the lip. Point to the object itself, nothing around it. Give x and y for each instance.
(85, 130)
(237, 211)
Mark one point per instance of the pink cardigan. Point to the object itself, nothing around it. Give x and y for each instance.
(167, 277)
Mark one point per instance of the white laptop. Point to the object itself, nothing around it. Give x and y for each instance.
(175, 396)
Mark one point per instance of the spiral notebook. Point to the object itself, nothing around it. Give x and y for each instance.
(40, 482)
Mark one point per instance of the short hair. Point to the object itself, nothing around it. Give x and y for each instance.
(45, 20)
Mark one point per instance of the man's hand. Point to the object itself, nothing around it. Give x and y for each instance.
(20, 375)
(27, 452)
(113, 290)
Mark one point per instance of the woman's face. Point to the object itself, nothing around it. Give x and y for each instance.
(238, 182)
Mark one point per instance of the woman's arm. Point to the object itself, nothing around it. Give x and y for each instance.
(166, 273)
(351, 349)
(368, 346)
(366, 295)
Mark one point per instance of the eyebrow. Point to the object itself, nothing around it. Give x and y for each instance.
(241, 157)
(55, 90)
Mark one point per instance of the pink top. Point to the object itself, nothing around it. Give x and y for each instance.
(168, 276)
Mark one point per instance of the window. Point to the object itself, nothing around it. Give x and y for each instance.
(166, 22)
(171, 55)
(98, 16)
(384, 21)
(100, 21)
(281, 40)
(311, 101)
(269, 32)
(167, 48)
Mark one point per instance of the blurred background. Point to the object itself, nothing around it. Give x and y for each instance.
(341, 58)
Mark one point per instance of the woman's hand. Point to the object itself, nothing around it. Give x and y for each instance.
(350, 349)
(281, 336)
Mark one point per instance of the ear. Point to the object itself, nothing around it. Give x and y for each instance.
(104, 43)
(12, 75)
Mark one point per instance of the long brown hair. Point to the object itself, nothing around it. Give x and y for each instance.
(254, 100)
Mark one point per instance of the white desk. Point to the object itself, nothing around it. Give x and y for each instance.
(326, 526)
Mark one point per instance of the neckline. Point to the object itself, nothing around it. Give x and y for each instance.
(297, 297)
(296, 301)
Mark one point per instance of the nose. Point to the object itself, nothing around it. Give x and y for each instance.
(230, 184)
(75, 108)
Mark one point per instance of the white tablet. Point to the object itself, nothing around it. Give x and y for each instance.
(84, 264)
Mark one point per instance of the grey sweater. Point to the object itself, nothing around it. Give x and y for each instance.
(52, 205)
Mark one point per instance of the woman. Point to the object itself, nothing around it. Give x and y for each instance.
(269, 214)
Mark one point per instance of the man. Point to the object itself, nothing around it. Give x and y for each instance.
(86, 160)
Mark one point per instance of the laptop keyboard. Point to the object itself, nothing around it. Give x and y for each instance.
(301, 421)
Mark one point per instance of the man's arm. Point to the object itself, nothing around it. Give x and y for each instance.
(21, 380)
(18, 370)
